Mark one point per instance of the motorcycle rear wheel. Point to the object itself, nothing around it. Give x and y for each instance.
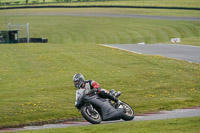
(92, 117)
(129, 113)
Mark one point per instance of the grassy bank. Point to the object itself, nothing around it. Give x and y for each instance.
(36, 79)
(189, 125)
(119, 30)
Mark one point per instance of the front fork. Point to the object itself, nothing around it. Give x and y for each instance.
(90, 107)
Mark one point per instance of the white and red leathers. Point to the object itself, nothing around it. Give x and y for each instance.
(93, 85)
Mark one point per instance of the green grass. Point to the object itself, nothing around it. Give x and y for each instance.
(181, 125)
(36, 79)
(153, 3)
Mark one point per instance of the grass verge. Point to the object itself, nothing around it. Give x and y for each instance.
(180, 125)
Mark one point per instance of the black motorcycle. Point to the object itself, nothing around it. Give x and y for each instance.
(96, 109)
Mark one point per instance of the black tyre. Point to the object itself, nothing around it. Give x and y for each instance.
(128, 112)
(94, 117)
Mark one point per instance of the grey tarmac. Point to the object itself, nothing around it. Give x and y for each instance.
(108, 15)
(176, 51)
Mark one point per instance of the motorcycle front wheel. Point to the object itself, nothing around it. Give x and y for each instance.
(128, 112)
(92, 117)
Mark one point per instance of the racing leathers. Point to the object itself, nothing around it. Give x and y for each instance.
(92, 86)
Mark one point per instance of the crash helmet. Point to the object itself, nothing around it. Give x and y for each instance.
(78, 80)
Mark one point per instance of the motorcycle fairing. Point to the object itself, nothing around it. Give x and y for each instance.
(107, 111)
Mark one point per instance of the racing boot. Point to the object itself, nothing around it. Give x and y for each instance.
(105, 94)
(115, 99)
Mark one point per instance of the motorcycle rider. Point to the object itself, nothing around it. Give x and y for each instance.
(90, 87)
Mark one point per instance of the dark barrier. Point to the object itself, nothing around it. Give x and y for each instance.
(95, 6)
(33, 40)
(38, 40)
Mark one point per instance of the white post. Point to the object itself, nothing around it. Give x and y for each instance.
(8, 26)
(18, 26)
(27, 31)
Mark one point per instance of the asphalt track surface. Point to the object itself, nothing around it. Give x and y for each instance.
(178, 113)
(108, 15)
(176, 51)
